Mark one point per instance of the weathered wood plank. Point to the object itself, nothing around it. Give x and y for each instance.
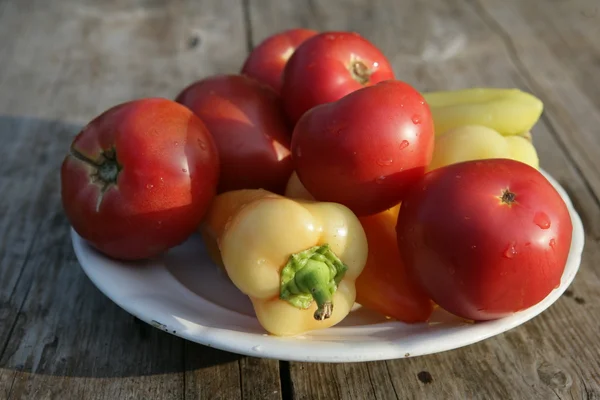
(62, 63)
(440, 45)
(260, 379)
(355, 381)
(204, 381)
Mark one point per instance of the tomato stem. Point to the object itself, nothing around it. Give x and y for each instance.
(312, 275)
(109, 169)
(76, 154)
(360, 72)
(508, 197)
(106, 171)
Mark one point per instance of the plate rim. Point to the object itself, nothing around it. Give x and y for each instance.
(273, 347)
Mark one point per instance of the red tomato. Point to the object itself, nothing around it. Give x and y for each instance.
(267, 61)
(366, 149)
(328, 66)
(139, 178)
(249, 127)
(485, 238)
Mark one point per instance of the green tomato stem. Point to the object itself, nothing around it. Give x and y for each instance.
(312, 275)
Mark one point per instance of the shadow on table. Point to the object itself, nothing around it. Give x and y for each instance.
(54, 320)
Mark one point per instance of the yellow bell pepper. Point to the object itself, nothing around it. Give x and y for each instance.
(384, 285)
(508, 111)
(296, 260)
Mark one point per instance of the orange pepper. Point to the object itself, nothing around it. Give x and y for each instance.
(215, 222)
(384, 285)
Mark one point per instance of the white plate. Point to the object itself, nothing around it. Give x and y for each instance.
(185, 294)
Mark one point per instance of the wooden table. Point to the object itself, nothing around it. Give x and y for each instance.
(63, 62)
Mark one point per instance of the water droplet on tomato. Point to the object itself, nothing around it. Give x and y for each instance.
(416, 119)
(510, 251)
(380, 179)
(385, 162)
(176, 143)
(183, 170)
(404, 144)
(473, 246)
(552, 242)
(401, 105)
(422, 102)
(541, 220)
(201, 144)
(149, 186)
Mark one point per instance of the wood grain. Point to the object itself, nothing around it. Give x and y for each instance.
(439, 45)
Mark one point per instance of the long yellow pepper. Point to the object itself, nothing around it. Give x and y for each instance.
(508, 111)
(296, 260)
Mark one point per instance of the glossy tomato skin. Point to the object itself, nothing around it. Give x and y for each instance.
(365, 150)
(249, 128)
(477, 256)
(327, 67)
(166, 176)
(267, 61)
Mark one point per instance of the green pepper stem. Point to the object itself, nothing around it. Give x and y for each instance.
(312, 275)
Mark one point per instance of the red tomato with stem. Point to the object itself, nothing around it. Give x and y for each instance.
(139, 178)
(485, 238)
(267, 61)
(249, 128)
(366, 149)
(328, 66)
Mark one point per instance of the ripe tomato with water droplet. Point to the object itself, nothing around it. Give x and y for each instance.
(379, 155)
(139, 178)
(507, 256)
(327, 67)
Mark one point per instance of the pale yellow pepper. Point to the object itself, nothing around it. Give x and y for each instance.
(508, 111)
(475, 142)
(297, 260)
